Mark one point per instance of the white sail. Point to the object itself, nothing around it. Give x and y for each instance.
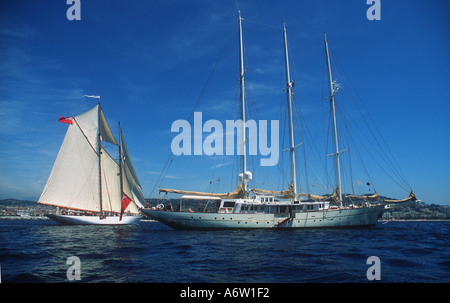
(74, 179)
(105, 132)
(88, 123)
(111, 195)
(131, 185)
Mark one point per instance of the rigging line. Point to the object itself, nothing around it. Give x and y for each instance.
(211, 75)
(346, 124)
(161, 178)
(374, 159)
(170, 158)
(395, 166)
(385, 158)
(305, 130)
(264, 24)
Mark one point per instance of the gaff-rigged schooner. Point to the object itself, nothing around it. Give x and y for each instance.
(86, 184)
(236, 210)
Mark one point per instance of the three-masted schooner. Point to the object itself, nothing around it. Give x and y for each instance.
(86, 183)
(237, 210)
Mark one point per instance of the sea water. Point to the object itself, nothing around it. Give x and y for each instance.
(39, 251)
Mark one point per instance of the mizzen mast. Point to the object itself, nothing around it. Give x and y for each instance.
(335, 134)
(242, 97)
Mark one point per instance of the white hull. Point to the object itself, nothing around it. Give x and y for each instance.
(94, 220)
(352, 217)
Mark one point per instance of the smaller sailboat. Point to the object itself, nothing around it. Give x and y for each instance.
(86, 183)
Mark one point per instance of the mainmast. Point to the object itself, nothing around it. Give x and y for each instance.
(335, 134)
(291, 122)
(242, 81)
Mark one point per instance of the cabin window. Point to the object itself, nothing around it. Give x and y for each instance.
(228, 204)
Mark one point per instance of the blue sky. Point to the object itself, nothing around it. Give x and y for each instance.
(150, 60)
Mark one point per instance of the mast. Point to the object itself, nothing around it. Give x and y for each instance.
(242, 95)
(120, 169)
(291, 122)
(335, 134)
(99, 152)
(120, 160)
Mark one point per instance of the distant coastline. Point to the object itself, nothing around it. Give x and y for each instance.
(413, 211)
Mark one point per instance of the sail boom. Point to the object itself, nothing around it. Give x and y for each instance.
(237, 193)
(284, 194)
(411, 197)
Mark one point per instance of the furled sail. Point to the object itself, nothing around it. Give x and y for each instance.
(411, 197)
(284, 194)
(334, 198)
(366, 197)
(236, 194)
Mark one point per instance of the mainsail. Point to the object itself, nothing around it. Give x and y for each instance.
(235, 194)
(86, 177)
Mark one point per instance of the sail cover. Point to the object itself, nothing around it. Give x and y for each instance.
(367, 197)
(235, 194)
(284, 194)
(334, 198)
(411, 197)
